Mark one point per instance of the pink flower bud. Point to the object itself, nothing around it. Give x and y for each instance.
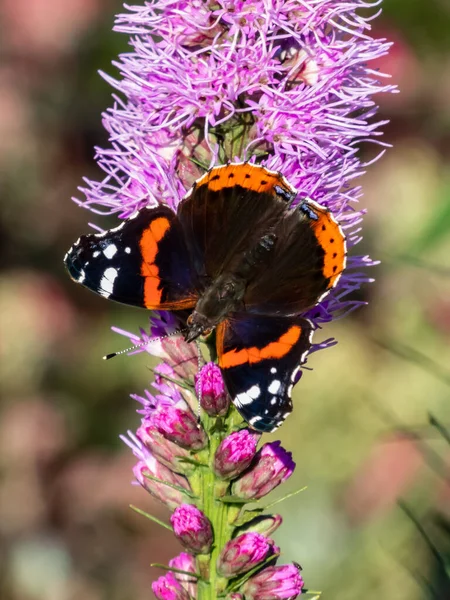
(166, 494)
(177, 423)
(168, 588)
(185, 562)
(235, 453)
(211, 391)
(243, 553)
(167, 452)
(265, 524)
(272, 466)
(192, 528)
(274, 583)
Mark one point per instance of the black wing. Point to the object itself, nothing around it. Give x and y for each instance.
(308, 258)
(259, 358)
(143, 262)
(228, 211)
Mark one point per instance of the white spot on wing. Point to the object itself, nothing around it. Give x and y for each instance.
(81, 276)
(110, 250)
(274, 386)
(273, 370)
(247, 397)
(107, 282)
(96, 253)
(128, 250)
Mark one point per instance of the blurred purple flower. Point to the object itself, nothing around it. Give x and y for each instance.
(272, 466)
(274, 583)
(243, 553)
(167, 587)
(235, 453)
(192, 528)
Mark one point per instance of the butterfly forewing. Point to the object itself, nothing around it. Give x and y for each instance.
(143, 262)
(228, 211)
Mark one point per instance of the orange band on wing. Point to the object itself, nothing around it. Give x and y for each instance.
(248, 176)
(150, 238)
(277, 349)
(332, 240)
(149, 270)
(149, 249)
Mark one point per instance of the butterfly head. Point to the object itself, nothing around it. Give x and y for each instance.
(219, 300)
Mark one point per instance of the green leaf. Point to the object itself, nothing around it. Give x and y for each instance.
(233, 500)
(442, 430)
(192, 461)
(412, 355)
(290, 495)
(151, 517)
(247, 516)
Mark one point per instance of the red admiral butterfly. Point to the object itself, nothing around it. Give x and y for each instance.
(242, 259)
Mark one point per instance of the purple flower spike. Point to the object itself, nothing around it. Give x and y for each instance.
(167, 494)
(192, 528)
(273, 465)
(235, 453)
(211, 391)
(167, 587)
(185, 562)
(178, 424)
(274, 583)
(243, 553)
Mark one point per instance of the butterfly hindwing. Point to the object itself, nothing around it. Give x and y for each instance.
(259, 358)
(143, 262)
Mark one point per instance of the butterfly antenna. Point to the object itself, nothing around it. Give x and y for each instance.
(199, 366)
(142, 344)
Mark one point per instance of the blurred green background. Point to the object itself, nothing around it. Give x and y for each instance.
(374, 520)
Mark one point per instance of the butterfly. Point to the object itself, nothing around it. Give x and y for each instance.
(243, 256)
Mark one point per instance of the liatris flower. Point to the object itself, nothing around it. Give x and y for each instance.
(178, 424)
(274, 583)
(184, 562)
(235, 453)
(210, 389)
(272, 466)
(244, 553)
(161, 482)
(284, 84)
(266, 524)
(169, 588)
(192, 528)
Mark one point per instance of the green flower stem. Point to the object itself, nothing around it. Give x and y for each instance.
(217, 512)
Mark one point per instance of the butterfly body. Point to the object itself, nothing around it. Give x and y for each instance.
(242, 258)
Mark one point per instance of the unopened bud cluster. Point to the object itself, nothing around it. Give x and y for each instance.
(206, 470)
